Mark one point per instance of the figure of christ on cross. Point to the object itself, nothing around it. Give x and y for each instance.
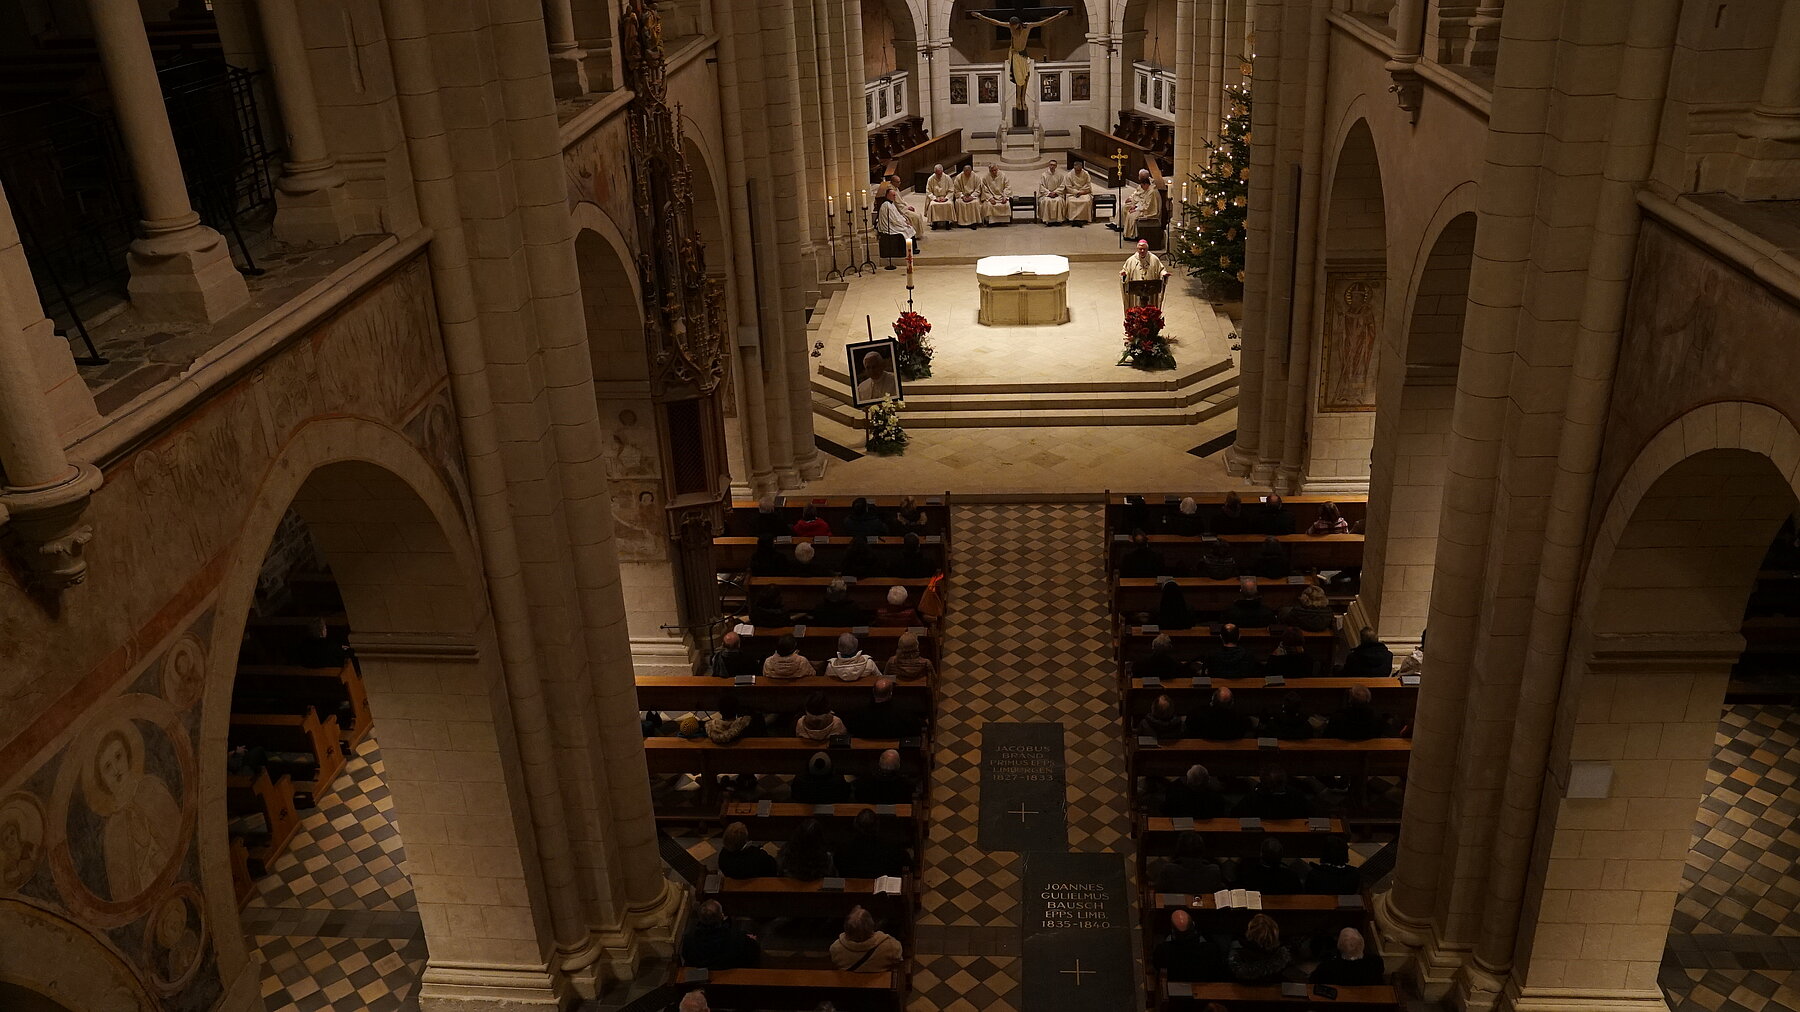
(1018, 65)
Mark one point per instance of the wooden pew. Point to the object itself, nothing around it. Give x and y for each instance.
(775, 755)
(732, 554)
(1268, 998)
(1156, 836)
(768, 695)
(1255, 696)
(241, 882)
(273, 800)
(799, 988)
(1097, 148)
(834, 509)
(785, 816)
(1330, 551)
(915, 163)
(312, 742)
(818, 642)
(798, 593)
(1305, 508)
(289, 688)
(1199, 643)
(788, 897)
(1312, 756)
(1304, 914)
(1204, 595)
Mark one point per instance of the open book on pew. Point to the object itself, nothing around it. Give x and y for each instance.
(889, 885)
(1247, 899)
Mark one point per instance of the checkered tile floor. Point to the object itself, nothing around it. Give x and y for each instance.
(334, 920)
(1734, 942)
(1026, 638)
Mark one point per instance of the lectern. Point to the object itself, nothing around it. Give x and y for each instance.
(1143, 293)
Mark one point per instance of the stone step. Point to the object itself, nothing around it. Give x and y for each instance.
(1217, 403)
(1127, 381)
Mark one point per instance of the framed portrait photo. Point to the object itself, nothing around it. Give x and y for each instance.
(874, 372)
(987, 89)
(959, 89)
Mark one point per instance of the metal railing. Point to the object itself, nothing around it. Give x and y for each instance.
(75, 201)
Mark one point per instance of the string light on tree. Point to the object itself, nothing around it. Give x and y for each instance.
(1211, 245)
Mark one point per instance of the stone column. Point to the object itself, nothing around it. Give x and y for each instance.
(65, 395)
(1217, 56)
(935, 63)
(1188, 83)
(568, 61)
(1484, 35)
(1264, 249)
(311, 203)
(181, 271)
(1772, 130)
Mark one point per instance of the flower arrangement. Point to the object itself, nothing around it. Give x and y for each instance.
(884, 435)
(913, 332)
(1146, 346)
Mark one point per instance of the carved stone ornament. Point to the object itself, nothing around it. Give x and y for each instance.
(684, 309)
(44, 531)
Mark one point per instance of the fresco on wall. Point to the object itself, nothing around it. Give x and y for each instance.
(434, 429)
(102, 833)
(596, 173)
(640, 529)
(1353, 316)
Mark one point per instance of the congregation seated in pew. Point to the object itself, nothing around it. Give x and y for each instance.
(714, 943)
(1369, 658)
(805, 856)
(850, 663)
(884, 716)
(1220, 719)
(819, 723)
(863, 948)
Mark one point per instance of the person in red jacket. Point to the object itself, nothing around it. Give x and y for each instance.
(811, 525)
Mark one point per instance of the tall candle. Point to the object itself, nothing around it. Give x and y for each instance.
(830, 211)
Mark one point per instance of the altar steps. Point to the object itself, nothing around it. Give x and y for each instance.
(1184, 397)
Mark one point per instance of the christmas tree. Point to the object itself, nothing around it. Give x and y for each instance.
(1210, 241)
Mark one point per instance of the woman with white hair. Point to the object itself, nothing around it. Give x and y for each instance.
(1350, 966)
(896, 612)
(850, 663)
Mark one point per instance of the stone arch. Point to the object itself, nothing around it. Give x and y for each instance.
(973, 41)
(1657, 629)
(55, 965)
(403, 556)
(891, 33)
(1417, 385)
(1148, 30)
(1353, 309)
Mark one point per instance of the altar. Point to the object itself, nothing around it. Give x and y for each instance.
(1023, 291)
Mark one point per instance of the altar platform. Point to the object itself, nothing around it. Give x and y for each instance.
(988, 376)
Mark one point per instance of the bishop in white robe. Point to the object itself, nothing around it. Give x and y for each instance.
(1142, 266)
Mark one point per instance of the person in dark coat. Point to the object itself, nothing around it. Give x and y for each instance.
(768, 560)
(1162, 662)
(739, 858)
(1290, 723)
(1249, 611)
(820, 785)
(1194, 795)
(713, 944)
(1313, 613)
(837, 610)
(1333, 876)
(864, 520)
(1231, 518)
(1369, 658)
(912, 563)
(1172, 612)
(1274, 518)
(1289, 659)
(1271, 798)
(1270, 874)
(1190, 871)
(805, 856)
(884, 718)
(1141, 561)
(870, 853)
(1232, 659)
(1186, 955)
(888, 785)
(1350, 966)
(1219, 719)
(1218, 561)
(1272, 561)
(730, 660)
(768, 610)
(1356, 720)
(1258, 957)
(1163, 722)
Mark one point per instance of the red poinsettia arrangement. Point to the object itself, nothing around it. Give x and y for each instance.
(913, 331)
(1146, 347)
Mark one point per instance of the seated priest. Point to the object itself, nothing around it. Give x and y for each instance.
(969, 206)
(1142, 205)
(1078, 195)
(996, 195)
(891, 220)
(891, 187)
(1142, 266)
(1051, 208)
(940, 193)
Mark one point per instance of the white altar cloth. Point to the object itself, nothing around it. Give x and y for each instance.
(1023, 290)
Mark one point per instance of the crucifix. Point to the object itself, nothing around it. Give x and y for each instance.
(1078, 971)
(1021, 813)
(1018, 65)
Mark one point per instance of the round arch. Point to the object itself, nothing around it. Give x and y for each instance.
(1657, 629)
(1352, 315)
(891, 30)
(405, 564)
(56, 965)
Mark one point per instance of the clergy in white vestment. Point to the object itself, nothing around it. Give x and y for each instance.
(940, 199)
(1142, 266)
(1142, 204)
(969, 208)
(1050, 203)
(996, 195)
(890, 219)
(891, 186)
(1078, 199)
